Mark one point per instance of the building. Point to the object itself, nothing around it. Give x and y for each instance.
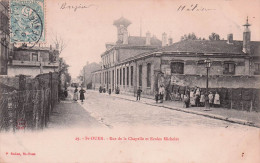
(31, 61)
(114, 74)
(234, 64)
(5, 47)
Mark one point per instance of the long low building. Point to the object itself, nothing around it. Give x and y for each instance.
(147, 62)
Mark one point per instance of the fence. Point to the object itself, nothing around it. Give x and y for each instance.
(30, 106)
(232, 98)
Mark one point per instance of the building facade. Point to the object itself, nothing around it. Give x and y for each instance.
(234, 64)
(113, 73)
(31, 61)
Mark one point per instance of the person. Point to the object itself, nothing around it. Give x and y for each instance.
(100, 89)
(66, 92)
(161, 93)
(186, 101)
(81, 94)
(192, 98)
(139, 91)
(156, 96)
(216, 100)
(76, 94)
(202, 99)
(211, 97)
(109, 91)
(197, 96)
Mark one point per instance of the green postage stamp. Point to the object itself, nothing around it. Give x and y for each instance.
(27, 21)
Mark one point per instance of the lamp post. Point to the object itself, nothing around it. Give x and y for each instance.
(207, 65)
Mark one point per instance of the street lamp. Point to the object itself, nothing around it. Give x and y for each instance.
(207, 65)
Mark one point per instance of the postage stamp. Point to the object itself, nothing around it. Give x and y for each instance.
(27, 21)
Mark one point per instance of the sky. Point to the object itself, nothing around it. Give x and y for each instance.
(87, 30)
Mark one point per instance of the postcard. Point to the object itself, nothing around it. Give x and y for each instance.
(129, 81)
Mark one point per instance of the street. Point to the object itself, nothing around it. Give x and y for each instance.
(106, 128)
(115, 112)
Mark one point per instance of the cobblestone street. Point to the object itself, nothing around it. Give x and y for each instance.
(114, 112)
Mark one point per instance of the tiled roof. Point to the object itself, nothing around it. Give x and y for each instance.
(207, 46)
(136, 40)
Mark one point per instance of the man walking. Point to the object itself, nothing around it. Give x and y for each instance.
(139, 91)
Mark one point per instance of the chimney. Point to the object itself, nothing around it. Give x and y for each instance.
(148, 38)
(125, 37)
(170, 41)
(164, 39)
(246, 37)
(230, 38)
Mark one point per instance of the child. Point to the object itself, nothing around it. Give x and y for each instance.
(156, 96)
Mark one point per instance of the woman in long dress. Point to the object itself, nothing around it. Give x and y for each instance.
(81, 94)
(76, 94)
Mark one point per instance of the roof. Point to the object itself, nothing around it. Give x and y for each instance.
(34, 48)
(137, 40)
(255, 48)
(122, 21)
(205, 46)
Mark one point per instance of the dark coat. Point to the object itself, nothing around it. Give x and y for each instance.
(81, 94)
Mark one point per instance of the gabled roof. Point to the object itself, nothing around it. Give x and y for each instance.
(137, 40)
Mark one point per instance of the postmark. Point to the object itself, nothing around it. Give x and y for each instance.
(27, 21)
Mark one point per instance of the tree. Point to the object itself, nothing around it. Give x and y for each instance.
(59, 42)
(214, 36)
(190, 36)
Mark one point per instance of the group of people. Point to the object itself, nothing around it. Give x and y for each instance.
(159, 95)
(198, 98)
(79, 94)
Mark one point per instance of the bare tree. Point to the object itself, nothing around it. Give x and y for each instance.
(59, 42)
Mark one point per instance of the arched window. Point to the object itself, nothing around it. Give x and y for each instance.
(177, 67)
(149, 75)
(140, 75)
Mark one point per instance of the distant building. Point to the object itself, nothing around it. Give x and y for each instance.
(140, 63)
(32, 61)
(5, 47)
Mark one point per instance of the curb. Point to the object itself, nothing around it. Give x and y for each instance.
(219, 117)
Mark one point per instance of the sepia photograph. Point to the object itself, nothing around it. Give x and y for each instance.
(129, 81)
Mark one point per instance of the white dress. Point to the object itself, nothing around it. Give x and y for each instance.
(216, 99)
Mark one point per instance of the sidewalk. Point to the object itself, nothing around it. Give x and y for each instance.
(230, 115)
(70, 114)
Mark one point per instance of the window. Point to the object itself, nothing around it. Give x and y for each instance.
(117, 76)
(149, 75)
(34, 57)
(257, 69)
(123, 76)
(109, 77)
(177, 67)
(132, 75)
(140, 75)
(127, 76)
(229, 68)
(120, 76)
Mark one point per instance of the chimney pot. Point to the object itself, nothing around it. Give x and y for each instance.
(164, 39)
(230, 38)
(148, 38)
